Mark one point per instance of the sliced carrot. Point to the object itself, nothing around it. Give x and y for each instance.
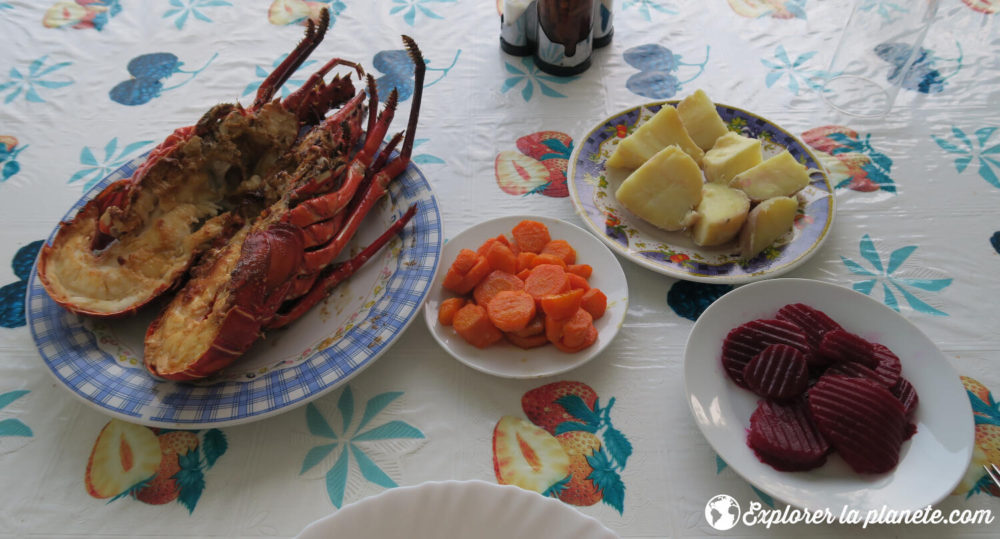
(575, 281)
(561, 249)
(453, 280)
(583, 270)
(554, 329)
(531, 341)
(590, 338)
(531, 236)
(500, 257)
(594, 302)
(576, 328)
(473, 324)
(496, 281)
(548, 259)
(486, 244)
(511, 310)
(448, 308)
(561, 306)
(465, 260)
(523, 274)
(535, 327)
(546, 280)
(465, 272)
(475, 275)
(524, 260)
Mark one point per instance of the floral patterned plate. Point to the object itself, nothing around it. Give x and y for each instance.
(100, 361)
(592, 186)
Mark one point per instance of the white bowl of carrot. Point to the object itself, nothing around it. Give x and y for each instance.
(526, 297)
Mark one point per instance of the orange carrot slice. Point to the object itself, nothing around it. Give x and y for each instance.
(531, 341)
(535, 327)
(575, 281)
(448, 308)
(473, 324)
(561, 249)
(496, 281)
(511, 310)
(590, 339)
(548, 259)
(561, 306)
(576, 328)
(500, 257)
(546, 280)
(583, 270)
(524, 260)
(531, 236)
(594, 302)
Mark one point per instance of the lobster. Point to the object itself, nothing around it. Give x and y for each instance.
(261, 235)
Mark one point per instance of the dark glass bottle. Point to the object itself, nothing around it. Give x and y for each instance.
(565, 36)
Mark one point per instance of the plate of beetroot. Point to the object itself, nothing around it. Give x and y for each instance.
(825, 398)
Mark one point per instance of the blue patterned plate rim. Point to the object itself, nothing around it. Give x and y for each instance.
(693, 263)
(72, 356)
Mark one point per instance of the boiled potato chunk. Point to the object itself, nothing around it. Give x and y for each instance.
(701, 120)
(665, 190)
(662, 130)
(731, 155)
(766, 223)
(721, 213)
(778, 176)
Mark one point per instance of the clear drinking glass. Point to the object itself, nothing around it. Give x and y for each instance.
(876, 51)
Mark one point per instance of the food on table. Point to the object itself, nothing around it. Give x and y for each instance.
(732, 154)
(125, 455)
(721, 214)
(767, 222)
(527, 456)
(662, 130)
(661, 190)
(777, 176)
(665, 190)
(822, 386)
(778, 372)
(784, 436)
(700, 119)
(864, 422)
(248, 209)
(548, 300)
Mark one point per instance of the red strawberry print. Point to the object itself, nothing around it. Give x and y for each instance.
(541, 407)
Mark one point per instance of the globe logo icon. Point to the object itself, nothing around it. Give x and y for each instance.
(722, 512)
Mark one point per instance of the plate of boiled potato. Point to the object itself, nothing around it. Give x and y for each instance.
(701, 191)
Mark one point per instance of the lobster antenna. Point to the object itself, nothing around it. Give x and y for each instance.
(420, 68)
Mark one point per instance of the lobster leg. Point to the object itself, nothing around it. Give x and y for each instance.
(326, 283)
(278, 77)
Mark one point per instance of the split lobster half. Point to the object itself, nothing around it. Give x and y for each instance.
(245, 212)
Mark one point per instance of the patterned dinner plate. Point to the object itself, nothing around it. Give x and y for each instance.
(592, 187)
(100, 361)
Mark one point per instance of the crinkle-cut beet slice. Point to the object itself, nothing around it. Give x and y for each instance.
(747, 340)
(839, 345)
(863, 421)
(852, 369)
(888, 367)
(907, 395)
(777, 372)
(784, 436)
(813, 322)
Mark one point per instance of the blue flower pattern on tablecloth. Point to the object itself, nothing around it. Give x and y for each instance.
(183, 8)
(798, 76)
(11, 426)
(147, 70)
(877, 167)
(531, 75)
(922, 75)
(290, 85)
(398, 70)
(647, 7)
(36, 79)
(425, 158)
(886, 275)
(883, 8)
(351, 440)
(5, 5)
(689, 299)
(657, 67)
(12, 295)
(985, 157)
(95, 170)
(9, 150)
(410, 8)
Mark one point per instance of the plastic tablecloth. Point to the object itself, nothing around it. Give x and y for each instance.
(86, 86)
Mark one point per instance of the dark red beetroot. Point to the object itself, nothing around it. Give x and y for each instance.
(783, 436)
(853, 369)
(839, 345)
(862, 420)
(778, 372)
(814, 323)
(907, 395)
(888, 368)
(747, 340)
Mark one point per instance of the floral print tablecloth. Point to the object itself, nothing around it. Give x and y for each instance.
(86, 86)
